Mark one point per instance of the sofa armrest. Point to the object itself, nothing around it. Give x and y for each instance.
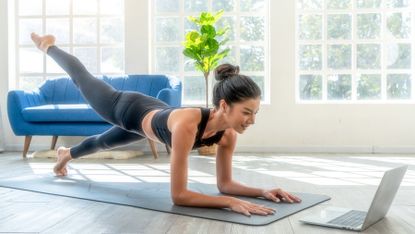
(17, 100)
(20, 99)
(170, 96)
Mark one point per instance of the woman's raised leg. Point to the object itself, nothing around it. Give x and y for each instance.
(101, 96)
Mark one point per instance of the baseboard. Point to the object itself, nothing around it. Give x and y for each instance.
(143, 147)
(329, 149)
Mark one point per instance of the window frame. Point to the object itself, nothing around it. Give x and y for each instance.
(70, 16)
(182, 15)
(383, 41)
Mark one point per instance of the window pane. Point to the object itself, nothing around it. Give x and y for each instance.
(52, 66)
(30, 60)
(226, 5)
(30, 7)
(189, 65)
(230, 23)
(252, 5)
(231, 58)
(111, 7)
(310, 57)
(310, 87)
(398, 56)
(368, 26)
(85, 30)
(194, 88)
(368, 3)
(310, 4)
(30, 83)
(189, 25)
(167, 59)
(368, 56)
(252, 28)
(399, 86)
(339, 87)
(167, 29)
(195, 5)
(310, 27)
(57, 7)
(88, 56)
(339, 56)
(59, 28)
(397, 3)
(339, 4)
(85, 7)
(399, 25)
(112, 30)
(166, 5)
(259, 80)
(252, 58)
(112, 60)
(339, 26)
(26, 27)
(369, 87)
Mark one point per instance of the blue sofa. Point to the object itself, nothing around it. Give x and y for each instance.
(57, 108)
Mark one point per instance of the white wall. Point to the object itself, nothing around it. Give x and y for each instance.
(3, 71)
(282, 126)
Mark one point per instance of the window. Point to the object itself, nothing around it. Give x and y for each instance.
(354, 50)
(92, 30)
(248, 22)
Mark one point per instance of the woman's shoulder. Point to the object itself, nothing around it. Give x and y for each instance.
(185, 117)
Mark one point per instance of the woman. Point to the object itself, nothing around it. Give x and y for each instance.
(236, 99)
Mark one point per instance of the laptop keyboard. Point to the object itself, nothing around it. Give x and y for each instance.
(352, 218)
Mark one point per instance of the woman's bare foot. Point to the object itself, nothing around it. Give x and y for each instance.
(64, 156)
(43, 43)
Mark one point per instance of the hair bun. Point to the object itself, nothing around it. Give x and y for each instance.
(225, 71)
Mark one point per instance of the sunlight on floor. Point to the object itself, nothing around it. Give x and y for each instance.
(336, 171)
(127, 173)
(323, 171)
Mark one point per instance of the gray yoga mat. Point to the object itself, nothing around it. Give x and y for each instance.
(154, 196)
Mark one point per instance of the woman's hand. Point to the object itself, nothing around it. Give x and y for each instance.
(248, 208)
(278, 195)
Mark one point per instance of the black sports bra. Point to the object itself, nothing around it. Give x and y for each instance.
(160, 129)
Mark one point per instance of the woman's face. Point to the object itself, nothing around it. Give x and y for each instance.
(242, 114)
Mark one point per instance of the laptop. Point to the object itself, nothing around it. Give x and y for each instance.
(357, 220)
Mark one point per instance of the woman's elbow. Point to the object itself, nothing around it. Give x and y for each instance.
(222, 188)
(178, 199)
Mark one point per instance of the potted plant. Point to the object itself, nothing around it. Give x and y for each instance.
(203, 47)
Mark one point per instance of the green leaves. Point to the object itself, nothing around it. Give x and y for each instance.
(209, 30)
(206, 18)
(203, 46)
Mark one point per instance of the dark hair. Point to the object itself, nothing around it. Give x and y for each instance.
(232, 86)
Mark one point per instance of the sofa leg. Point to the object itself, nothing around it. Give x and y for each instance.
(153, 148)
(53, 144)
(27, 141)
(168, 149)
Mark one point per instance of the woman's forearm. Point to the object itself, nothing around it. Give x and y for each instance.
(236, 188)
(190, 198)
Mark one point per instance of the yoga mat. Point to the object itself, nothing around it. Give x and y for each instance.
(154, 196)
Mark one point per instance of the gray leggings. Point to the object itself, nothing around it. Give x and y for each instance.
(124, 109)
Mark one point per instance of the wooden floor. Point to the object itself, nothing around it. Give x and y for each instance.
(350, 181)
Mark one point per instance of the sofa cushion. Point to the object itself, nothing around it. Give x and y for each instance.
(61, 113)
